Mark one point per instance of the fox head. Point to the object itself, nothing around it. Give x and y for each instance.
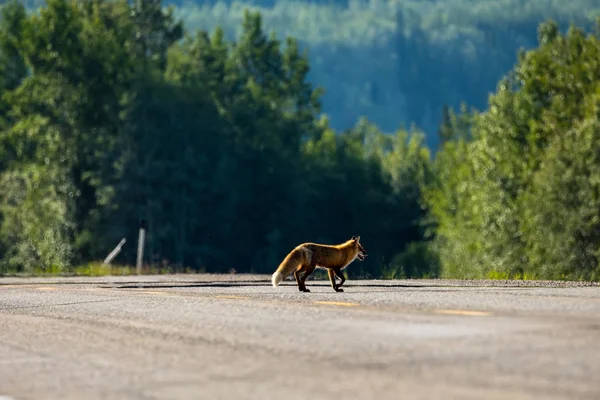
(362, 253)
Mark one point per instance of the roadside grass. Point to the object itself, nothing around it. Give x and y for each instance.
(95, 269)
(505, 276)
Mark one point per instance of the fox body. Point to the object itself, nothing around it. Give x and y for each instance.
(303, 260)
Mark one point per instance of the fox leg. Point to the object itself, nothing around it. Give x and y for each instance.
(297, 276)
(338, 272)
(331, 274)
(307, 271)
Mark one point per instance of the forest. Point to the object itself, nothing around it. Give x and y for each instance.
(474, 153)
(399, 62)
(396, 62)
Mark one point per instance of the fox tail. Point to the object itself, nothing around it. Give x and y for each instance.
(287, 266)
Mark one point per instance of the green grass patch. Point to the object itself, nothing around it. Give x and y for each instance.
(96, 269)
(505, 276)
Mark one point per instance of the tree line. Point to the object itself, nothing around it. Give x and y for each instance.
(112, 112)
(395, 61)
(516, 191)
(400, 61)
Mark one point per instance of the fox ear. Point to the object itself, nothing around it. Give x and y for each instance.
(353, 238)
(357, 238)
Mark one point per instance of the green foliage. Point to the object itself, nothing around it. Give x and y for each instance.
(112, 113)
(419, 260)
(562, 232)
(36, 222)
(395, 61)
(218, 145)
(399, 61)
(519, 199)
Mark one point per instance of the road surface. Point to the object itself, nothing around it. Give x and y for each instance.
(236, 337)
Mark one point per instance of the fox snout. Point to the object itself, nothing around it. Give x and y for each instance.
(362, 254)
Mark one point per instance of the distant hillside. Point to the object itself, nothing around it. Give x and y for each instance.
(398, 62)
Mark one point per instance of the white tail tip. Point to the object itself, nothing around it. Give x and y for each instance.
(276, 278)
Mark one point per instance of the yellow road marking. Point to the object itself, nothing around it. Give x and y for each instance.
(224, 296)
(464, 312)
(337, 303)
(150, 292)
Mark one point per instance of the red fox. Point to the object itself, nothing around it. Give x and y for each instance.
(308, 256)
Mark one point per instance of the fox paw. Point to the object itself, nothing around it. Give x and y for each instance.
(339, 290)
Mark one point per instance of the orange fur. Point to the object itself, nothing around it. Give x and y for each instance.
(308, 256)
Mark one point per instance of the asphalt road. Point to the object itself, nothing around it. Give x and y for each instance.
(236, 337)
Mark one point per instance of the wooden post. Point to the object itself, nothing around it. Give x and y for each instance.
(115, 251)
(140, 251)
